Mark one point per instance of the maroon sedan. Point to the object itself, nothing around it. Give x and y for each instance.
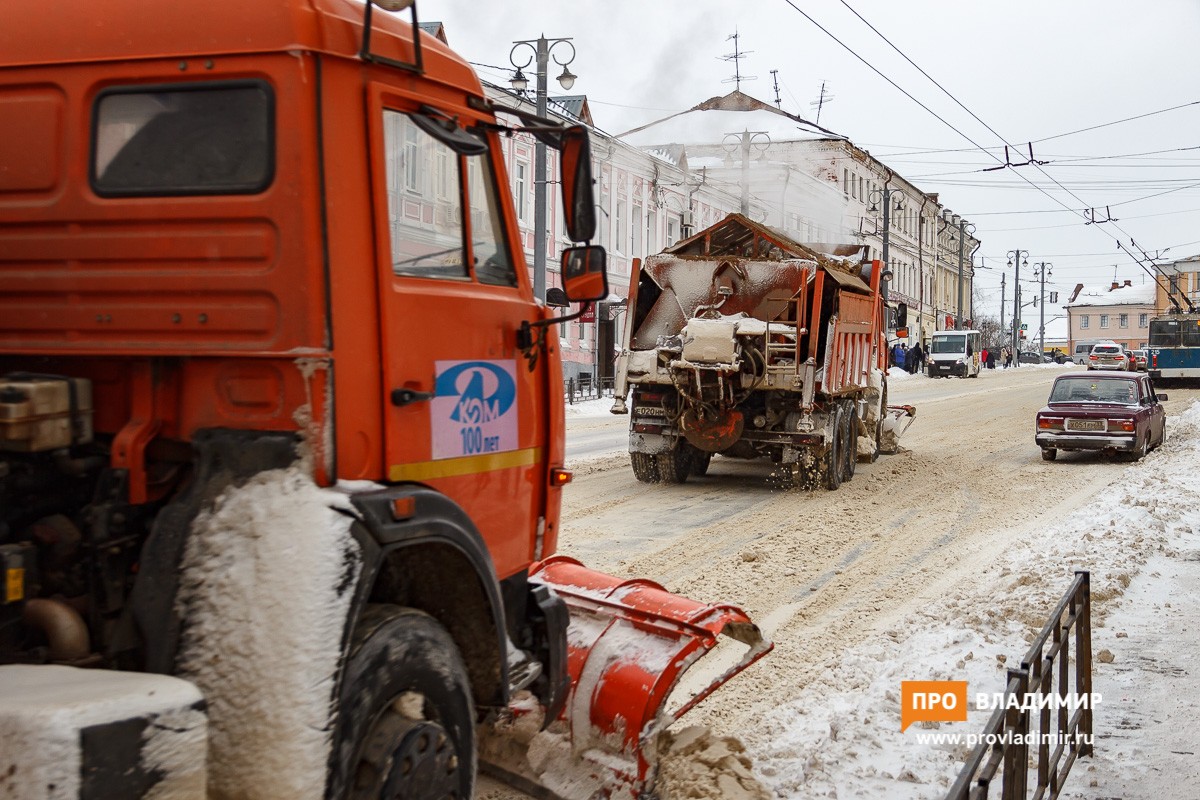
(1117, 412)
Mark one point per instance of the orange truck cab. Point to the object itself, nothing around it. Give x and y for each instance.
(280, 420)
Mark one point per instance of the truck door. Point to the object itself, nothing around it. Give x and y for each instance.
(465, 415)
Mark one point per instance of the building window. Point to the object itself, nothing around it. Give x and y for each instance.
(520, 190)
(846, 182)
(1123, 320)
(1143, 319)
(1084, 321)
(1104, 320)
(635, 225)
(619, 228)
(672, 231)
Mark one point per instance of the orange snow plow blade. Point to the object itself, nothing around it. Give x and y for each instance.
(629, 643)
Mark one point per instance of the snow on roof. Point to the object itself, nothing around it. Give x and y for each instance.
(1141, 295)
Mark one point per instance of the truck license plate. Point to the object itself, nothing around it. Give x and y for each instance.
(1085, 425)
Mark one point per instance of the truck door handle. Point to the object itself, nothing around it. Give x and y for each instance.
(402, 397)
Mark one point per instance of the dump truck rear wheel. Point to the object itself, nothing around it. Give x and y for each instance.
(406, 720)
(832, 461)
(850, 456)
(700, 461)
(675, 464)
(645, 467)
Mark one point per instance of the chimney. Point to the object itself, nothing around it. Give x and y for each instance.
(1128, 282)
(1115, 285)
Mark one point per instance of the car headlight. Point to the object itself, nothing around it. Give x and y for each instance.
(959, 362)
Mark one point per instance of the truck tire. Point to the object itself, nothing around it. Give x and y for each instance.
(645, 467)
(831, 462)
(406, 720)
(850, 442)
(675, 464)
(700, 461)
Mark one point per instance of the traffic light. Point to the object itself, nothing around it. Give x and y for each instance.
(901, 315)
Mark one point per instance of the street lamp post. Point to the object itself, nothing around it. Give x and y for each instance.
(964, 229)
(1014, 258)
(541, 49)
(884, 197)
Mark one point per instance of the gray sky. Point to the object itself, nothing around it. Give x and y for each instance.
(1028, 70)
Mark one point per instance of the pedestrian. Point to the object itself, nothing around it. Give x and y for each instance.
(918, 358)
(991, 358)
(983, 356)
(1007, 358)
(897, 355)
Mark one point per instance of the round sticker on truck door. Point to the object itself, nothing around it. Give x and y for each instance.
(474, 408)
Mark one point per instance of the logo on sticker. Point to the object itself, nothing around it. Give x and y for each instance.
(474, 409)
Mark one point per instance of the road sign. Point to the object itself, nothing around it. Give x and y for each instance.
(1024, 326)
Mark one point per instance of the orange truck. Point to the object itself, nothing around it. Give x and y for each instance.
(281, 425)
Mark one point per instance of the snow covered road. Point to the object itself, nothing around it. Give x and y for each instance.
(931, 564)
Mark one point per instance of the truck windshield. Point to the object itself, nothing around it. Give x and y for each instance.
(426, 186)
(198, 139)
(948, 344)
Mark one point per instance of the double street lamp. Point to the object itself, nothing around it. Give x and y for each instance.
(540, 53)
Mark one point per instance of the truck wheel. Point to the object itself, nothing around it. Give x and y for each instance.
(645, 467)
(700, 461)
(406, 720)
(675, 464)
(850, 442)
(832, 460)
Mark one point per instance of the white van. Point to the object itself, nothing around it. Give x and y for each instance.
(1083, 348)
(954, 353)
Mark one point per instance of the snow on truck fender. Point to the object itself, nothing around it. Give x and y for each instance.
(268, 578)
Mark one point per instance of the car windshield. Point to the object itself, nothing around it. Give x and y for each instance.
(1083, 390)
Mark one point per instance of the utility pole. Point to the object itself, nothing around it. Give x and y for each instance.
(1042, 270)
(1014, 259)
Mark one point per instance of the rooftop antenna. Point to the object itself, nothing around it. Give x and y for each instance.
(821, 100)
(736, 56)
(775, 78)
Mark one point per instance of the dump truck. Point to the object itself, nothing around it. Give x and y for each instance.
(282, 429)
(742, 342)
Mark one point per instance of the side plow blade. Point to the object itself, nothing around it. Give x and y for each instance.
(629, 643)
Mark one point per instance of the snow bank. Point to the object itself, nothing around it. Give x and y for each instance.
(267, 581)
(841, 736)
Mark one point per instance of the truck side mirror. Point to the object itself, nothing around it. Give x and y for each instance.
(579, 202)
(584, 276)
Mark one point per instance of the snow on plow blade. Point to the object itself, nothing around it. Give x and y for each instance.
(629, 643)
(895, 423)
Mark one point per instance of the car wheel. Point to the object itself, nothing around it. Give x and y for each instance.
(1140, 452)
(406, 720)
(1049, 454)
(1163, 438)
